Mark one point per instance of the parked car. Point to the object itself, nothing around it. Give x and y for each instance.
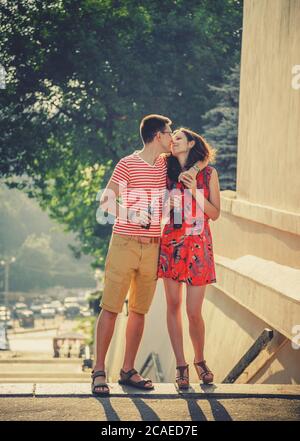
(61, 310)
(5, 317)
(18, 308)
(5, 312)
(70, 300)
(72, 310)
(26, 319)
(56, 304)
(36, 309)
(48, 313)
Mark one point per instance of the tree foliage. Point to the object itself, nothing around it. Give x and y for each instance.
(80, 76)
(43, 258)
(222, 127)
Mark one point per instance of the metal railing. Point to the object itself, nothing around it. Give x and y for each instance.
(260, 343)
(153, 361)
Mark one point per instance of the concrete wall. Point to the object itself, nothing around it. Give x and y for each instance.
(230, 331)
(262, 218)
(269, 129)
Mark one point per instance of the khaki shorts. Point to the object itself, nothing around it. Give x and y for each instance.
(130, 266)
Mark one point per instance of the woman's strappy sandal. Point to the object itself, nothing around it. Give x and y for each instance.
(182, 380)
(203, 372)
(104, 386)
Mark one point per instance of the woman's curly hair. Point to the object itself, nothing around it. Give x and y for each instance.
(199, 152)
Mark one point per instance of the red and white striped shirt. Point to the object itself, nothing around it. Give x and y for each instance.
(141, 184)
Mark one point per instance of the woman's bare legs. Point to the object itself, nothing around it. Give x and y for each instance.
(194, 301)
(173, 292)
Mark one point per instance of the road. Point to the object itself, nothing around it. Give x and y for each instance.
(30, 358)
(37, 343)
(139, 409)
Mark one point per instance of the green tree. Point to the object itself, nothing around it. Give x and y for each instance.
(80, 76)
(222, 127)
(31, 268)
(43, 258)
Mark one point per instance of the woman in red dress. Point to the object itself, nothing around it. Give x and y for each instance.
(186, 254)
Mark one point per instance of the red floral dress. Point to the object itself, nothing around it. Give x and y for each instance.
(186, 253)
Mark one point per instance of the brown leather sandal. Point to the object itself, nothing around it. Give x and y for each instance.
(102, 392)
(203, 372)
(182, 380)
(125, 379)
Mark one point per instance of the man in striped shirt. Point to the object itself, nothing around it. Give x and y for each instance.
(131, 262)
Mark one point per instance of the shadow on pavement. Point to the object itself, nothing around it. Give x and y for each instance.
(195, 410)
(111, 414)
(219, 411)
(147, 414)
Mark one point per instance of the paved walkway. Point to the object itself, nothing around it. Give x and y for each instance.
(223, 402)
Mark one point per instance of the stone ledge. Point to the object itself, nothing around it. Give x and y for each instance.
(162, 390)
(17, 389)
(280, 278)
(268, 290)
(48, 360)
(30, 330)
(272, 217)
(33, 379)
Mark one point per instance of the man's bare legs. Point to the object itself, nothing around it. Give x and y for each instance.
(173, 292)
(134, 333)
(104, 331)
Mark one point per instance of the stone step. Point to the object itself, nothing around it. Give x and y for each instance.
(73, 360)
(38, 375)
(64, 388)
(42, 380)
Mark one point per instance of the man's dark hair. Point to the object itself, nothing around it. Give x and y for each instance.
(150, 125)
